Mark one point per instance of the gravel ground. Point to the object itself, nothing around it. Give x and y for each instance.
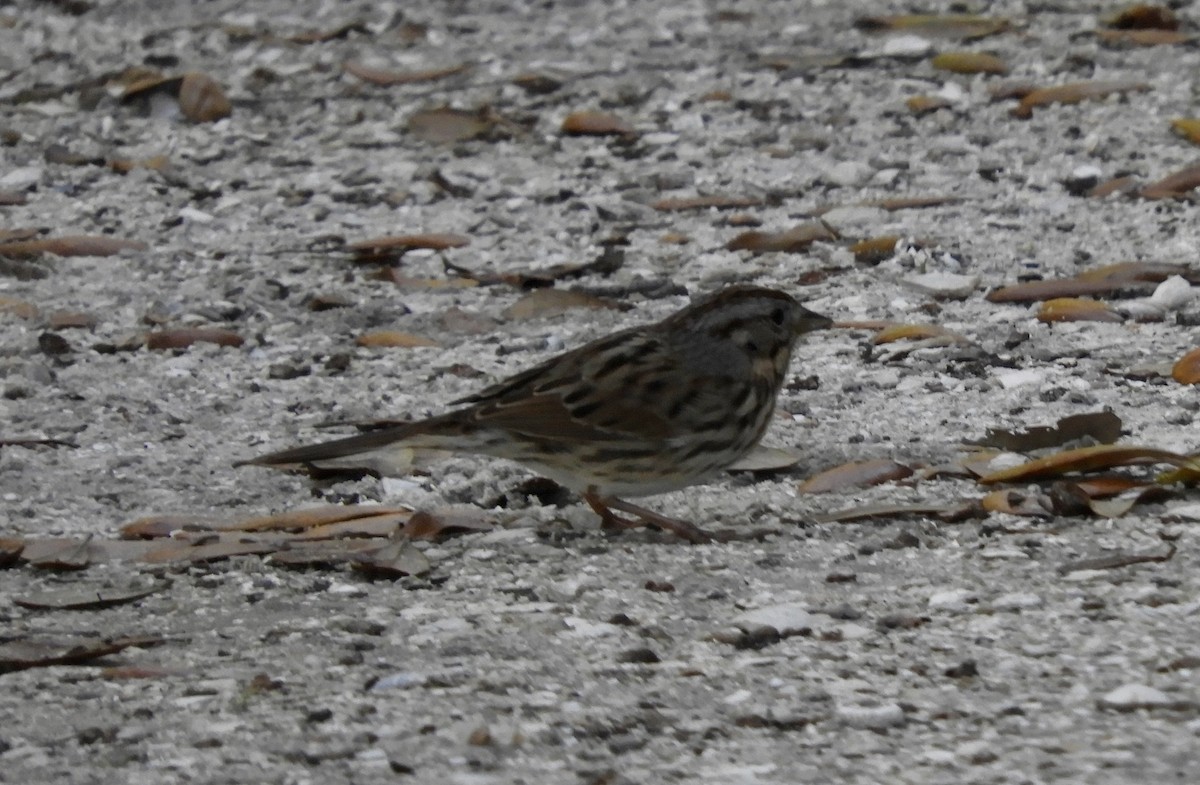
(905, 649)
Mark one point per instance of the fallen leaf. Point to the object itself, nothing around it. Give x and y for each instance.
(311, 517)
(590, 123)
(386, 78)
(536, 83)
(10, 551)
(153, 527)
(962, 26)
(969, 63)
(62, 320)
(1104, 427)
(1086, 459)
(1116, 560)
(372, 526)
(606, 263)
(1188, 128)
(184, 337)
(794, 240)
(393, 339)
(445, 124)
(321, 36)
(1172, 186)
(679, 204)
(916, 332)
(924, 104)
(72, 245)
(202, 100)
(855, 475)
(875, 249)
(1073, 93)
(127, 165)
(1143, 37)
(391, 248)
(45, 651)
(544, 303)
(1121, 185)
(1143, 16)
(78, 598)
(1152, 272)
(323, 554)
(946, 512)
(59, 554)
(1060, 288)
(1072, 309)
(439, 524)
(766, 459)
(910, 202)
(1186, 369)
(208, 552)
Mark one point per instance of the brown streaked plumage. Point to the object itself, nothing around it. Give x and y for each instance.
(646, 410)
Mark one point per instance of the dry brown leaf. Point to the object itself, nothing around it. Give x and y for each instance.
(22, 309)
(64, 320)
(969, 63)
(1074, 309)
(59, 553)
(1143, 16)
(544, 303)
(127, 165)
(386, 78)
(961, 26)
(1186, 369)
(1188, 128)
(875, 249)
(321, 36)
(1103, 427)
(10, 551)
(310, 517)
(678, 204)
(1151, 272)
(1116, 560)
(153, 527)
(924, 104)
(440, 524)
(794, 240)
(79, 598)
(323, 554)
(916, 332)
(1118, 185)
(207, 552)
(855, 475)
(372, 526)
(1037, 291)
(1073, 93)
(536, 83)
(590, 123)
(72, 245)
(202, 100)
(910, 202)
(391, 248)
(1172, 186)
(393, 339)
(12, 198)
(445, 124)
(45, 651)
(946, 512)
(1086, 459)
(1143, 37)
(184, 337)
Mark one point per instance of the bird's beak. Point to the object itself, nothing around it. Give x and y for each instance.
(811, 321)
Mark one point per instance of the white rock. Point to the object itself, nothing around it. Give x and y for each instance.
(848, 173)
(788, 619)
(906, 46)
(585, 628)
(21, 177)
(871, 716)
(1018, 378)
(954, 599)
(1003, 553)
(1173, 293)
(1190, 511)
(948, 285)
(854, 217)
(1130, 697)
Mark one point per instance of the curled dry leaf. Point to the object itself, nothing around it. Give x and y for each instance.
(372, 526)
(45, 651)
(1104, 427)
(446, 124)
(590, 123)
(1073, 309)
(916, 332)
(1151, 272)
(184, 337)
(947, 512)
(72, 245)
(875, 249)
(1172, 186)
(969, 63)
(153, 527)
(1087, 459)
(202, 100)
(910, 202)
(439, 524)
(1143, 37)
(1126, 184)
(1073, 93)
(1186, 369)
(794, 240)
(393, 339)
(961, 26)
(1116, 560)
(855, 475)
(679, 204)
(1188, 128)
(311, 517)
(207, 551)
(1061, 288)
(391, 248)
(543, 303)
(1143, 16)
(924, 104)
(386, 78)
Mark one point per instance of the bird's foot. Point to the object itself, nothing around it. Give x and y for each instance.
(609, 520)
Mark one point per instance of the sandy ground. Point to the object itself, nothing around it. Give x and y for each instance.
(913, 650)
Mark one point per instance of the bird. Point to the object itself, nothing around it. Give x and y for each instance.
(646, 410)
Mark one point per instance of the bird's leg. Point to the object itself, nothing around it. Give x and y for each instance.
(604, 506)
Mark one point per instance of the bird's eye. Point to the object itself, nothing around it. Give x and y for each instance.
(777, 316)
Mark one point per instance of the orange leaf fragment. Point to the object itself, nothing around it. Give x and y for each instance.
(924, 104)
(1073, 93)
(393, 339)
(184, 337)
(792, 240)
(1143, 37)
(969, 63)
(1086, 459)
(875, 249)
(1188, 128)
(1187, 369)
(678, 204)
(385, 78)
(855, 475)
(72, 245)
(127, 165)
(1074, 309)
(915, 332)
(590, 123)
(963, 26)
(1170, 187)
